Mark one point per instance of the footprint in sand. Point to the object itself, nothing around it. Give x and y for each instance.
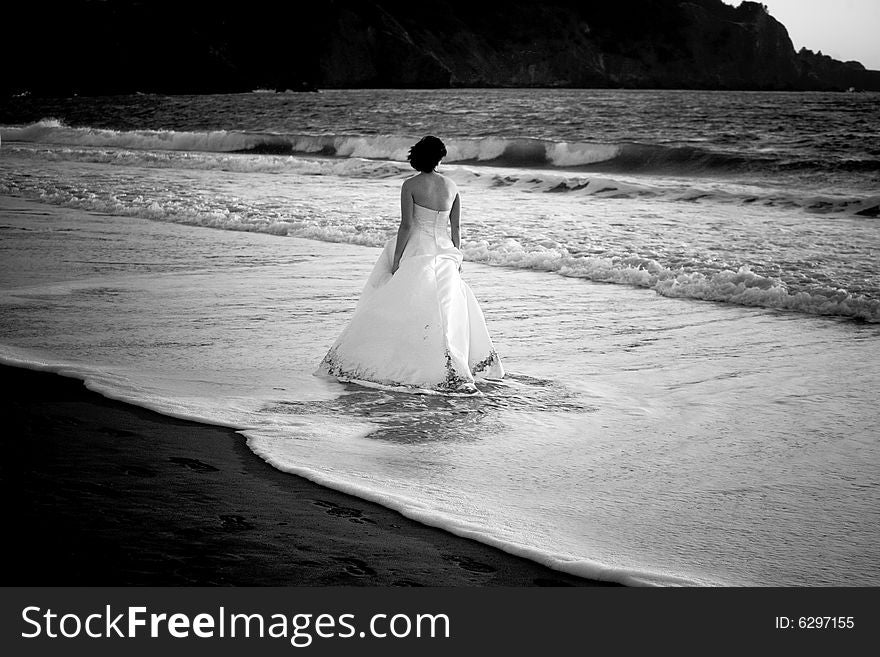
(469, 564)
(357, 568)
(234, 523)
(117, 433)
(338, 511)
(193, 464)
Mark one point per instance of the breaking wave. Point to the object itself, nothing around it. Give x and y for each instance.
(497, 151)
(548, 179)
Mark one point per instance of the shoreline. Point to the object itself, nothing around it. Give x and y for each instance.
(105, 493)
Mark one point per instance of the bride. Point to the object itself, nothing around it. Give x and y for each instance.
(417, 325)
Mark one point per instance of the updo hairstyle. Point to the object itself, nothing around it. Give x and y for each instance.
(426, 154)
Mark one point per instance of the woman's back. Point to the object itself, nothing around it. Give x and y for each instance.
(432, 191)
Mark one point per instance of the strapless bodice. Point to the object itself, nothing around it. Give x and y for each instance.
(432, 225)
(421, 214)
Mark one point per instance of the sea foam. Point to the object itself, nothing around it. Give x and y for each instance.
(741, 287)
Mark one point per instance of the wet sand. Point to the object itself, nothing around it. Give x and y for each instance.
(103, 493)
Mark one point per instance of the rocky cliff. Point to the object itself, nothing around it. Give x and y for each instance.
(122, 46)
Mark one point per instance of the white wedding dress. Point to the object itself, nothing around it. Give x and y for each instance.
(420, 329)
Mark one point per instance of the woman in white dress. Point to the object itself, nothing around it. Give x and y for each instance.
(417, 325)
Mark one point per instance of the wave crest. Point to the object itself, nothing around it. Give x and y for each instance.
(495, 150)
(549, 180)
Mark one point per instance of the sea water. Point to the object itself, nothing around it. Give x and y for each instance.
(683, 288)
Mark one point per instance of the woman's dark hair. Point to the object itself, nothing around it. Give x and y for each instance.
(426, 154)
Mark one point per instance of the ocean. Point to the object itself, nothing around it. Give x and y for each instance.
(683, 287)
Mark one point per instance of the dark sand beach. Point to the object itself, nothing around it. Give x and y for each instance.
(103, 493)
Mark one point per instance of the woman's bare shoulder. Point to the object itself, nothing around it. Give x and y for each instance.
(409, 186)
(449, 184)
